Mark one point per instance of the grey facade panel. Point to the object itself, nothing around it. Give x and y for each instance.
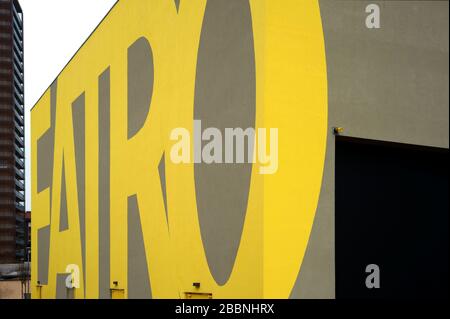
(139, 286)
(225, 97)
(104, 100)
(389, 84)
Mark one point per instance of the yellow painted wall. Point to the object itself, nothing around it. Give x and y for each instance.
(291, 88)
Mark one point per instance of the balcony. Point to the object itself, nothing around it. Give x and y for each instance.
(19, 151)
(17, 51)
(20, 253)
(18, 62)
(20, 186)
(16, 15)
(18, 73)
(18, 41)
(18, 84)
(18, 129)
(19, 140)
(19, 242)
(20, 208)
(18, 118)
(19, 163)
(19, 97)
(19, 174)
(16, 27)
(20, 196)
(17, 106)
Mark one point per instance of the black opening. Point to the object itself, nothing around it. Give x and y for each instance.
(392, 211)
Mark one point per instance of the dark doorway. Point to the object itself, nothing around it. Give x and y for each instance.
(392, 211)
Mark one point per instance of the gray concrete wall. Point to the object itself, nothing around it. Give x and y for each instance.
(388, 84)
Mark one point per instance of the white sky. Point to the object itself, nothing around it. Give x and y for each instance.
(53, 32)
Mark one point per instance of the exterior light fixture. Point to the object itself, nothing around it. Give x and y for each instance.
(338, 130)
